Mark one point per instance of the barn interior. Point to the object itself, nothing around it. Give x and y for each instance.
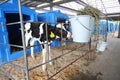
(63, 6)
(104, 67)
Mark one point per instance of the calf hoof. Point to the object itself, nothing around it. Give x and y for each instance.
(33, 57)
(50, 63)
(44, 68)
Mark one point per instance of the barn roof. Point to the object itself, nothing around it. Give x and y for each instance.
(109, 7)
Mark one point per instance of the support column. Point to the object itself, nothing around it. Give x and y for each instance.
(23, 40)
(119, 31)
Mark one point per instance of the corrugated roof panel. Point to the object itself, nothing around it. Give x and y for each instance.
(70, 6)
(73, 5)
(113, 10)
(106, 6)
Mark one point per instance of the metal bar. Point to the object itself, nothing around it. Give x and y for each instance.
(6, 74)
(47, 40)
(68, 65)
(77, 1)
(63, 7)
(24, 22)
(55, 3)
(12, 23)
(23, 40)
(64, 59)
(119, 31)
(48, 51)
(54, 58)
(106, 31)
(51, 6)
(26, 2)
(89, 43)
(104, 7)
(62, 36)
(119, 1)
(45, 43)
(81, 2)
(9, 24)
(15, 65)
(3, 2)
(26, 47)
(31, 3)
(12, 45)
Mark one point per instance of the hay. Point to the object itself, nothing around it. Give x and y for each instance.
(66, 74)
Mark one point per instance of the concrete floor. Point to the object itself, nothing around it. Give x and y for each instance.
(108, 63)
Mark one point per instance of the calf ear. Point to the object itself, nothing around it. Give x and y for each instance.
(63, 24)
(58, 25)
(27, 26)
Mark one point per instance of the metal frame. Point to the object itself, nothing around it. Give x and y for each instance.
(25, 68)
(23, 41)
(2, 2)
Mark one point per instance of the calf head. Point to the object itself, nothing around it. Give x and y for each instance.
(62, 30)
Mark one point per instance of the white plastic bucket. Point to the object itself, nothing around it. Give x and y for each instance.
(81, 28)
(101, 46)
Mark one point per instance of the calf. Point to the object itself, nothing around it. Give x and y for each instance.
(44, 34)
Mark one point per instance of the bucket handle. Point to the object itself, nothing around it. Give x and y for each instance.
(83, 25)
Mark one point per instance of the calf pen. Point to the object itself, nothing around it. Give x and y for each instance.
(8, 56)
(63, 68)
(31, 68)
(50, 73)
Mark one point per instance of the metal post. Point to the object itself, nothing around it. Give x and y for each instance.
(46, 26)
(106, 31)
(119, 31)
(2, 2)
(51, 5)
(23, 40)
(119, 26)
(62, 36)
(47, 40)
(89, 44)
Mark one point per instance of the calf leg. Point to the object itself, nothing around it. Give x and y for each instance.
(27, 37)
(44, 57)
(49, 55)
(26, 41)
(32, 48)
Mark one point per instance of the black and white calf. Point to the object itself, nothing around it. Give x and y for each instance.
(37, 32)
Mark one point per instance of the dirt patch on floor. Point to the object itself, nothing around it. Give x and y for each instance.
(61, 69)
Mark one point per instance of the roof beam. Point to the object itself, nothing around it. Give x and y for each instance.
(54, 3)
(113, 14)
(119, 1)
(2, 2)
(70, 9)
(81, 2)
(25, 2)
(47, 1)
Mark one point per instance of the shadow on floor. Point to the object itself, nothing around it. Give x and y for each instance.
(86, 76)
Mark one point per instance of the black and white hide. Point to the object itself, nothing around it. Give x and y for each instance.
(37, 32)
